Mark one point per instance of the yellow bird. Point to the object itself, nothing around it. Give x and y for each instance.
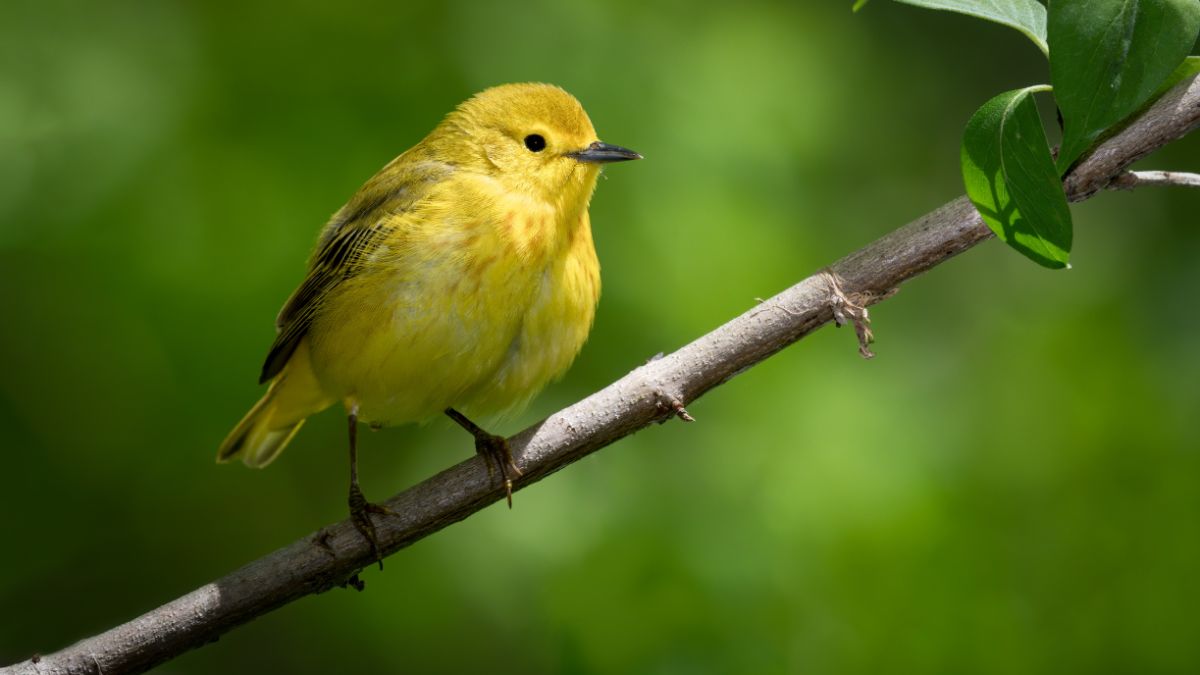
(460, 279)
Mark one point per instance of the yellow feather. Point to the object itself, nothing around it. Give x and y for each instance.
(263, 433)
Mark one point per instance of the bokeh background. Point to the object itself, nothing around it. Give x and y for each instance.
(1011, 486)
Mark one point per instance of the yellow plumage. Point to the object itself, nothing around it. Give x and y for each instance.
(462, 275)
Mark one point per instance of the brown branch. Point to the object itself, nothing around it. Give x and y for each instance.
(654, 392)
(1132, 179)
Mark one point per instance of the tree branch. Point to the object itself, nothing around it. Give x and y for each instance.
(654, 392)
(1132, 179)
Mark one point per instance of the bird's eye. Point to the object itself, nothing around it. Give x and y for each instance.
(535, 142)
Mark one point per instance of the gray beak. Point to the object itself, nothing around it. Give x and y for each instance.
(602, 153)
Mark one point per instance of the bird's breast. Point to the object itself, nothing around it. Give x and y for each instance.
(477, 313)
(554, 324)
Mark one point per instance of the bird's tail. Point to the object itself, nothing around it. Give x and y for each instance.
(265, 431)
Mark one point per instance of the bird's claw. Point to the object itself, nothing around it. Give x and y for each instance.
(360, 515)
(495, 448)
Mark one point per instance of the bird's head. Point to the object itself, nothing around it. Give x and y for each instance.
(536, 139)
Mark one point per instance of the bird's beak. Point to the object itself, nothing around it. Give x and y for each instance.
(602, 153)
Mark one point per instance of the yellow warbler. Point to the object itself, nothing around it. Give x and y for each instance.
(461, 278)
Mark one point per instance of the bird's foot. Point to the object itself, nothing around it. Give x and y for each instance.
(492, 447)
(496, 450)
(360, 515)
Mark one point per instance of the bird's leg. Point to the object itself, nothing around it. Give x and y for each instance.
(360, 508)
(494, 448)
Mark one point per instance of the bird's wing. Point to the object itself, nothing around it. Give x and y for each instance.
(346, 244)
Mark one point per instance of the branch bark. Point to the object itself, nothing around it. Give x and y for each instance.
(654, 392)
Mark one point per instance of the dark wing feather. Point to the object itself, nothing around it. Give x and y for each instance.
(346, 244)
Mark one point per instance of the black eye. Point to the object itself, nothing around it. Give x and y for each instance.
(535, 142)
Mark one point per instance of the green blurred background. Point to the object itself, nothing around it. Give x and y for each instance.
(1011, 486)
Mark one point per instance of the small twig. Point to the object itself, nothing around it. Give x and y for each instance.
(767, 305)
(673, 407)
(681, 412)
(1132, 179)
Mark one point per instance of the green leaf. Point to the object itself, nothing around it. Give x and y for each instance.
(1110, 57)
(1027, 16)
(1189, 68)
(1010, 177)
(858, 4)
